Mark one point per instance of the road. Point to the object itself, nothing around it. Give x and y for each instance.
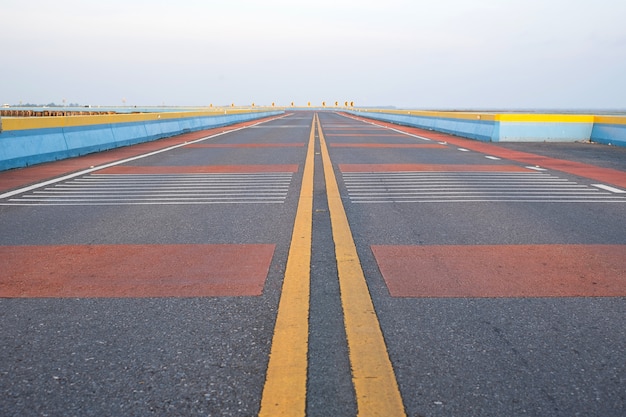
(316, 264)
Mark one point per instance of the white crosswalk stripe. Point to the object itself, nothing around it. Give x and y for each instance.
(435, 187)
(125, 189)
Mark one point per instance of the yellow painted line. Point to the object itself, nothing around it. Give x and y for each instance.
(284, 393)
(375, 384)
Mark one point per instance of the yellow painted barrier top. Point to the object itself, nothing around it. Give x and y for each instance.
(25, 123)
(45, 122)
(441, 114)
(508, 117)
(498, 117)
(611, 120)
(544, 118)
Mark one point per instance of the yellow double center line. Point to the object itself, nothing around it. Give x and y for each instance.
(284, 393)
(375, 385)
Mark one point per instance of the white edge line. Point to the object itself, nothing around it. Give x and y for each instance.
(89, 170)
(388, 128)
(408, 134)
(609, 188)
(536, 168)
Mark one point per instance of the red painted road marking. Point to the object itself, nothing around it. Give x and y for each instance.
(608, 175)
(20, 177)
(134, 270)
(378, 135)
(245, 145)
(504, 271)
(201, 169)
(386, 145)
(430, 168)
(328, 127)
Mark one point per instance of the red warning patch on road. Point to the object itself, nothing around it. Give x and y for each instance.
(87, 271)
(380, 135)
(201, 169)
(503, 271)
(246, 145)
(430, 168)
(387, 145)
(608, 175)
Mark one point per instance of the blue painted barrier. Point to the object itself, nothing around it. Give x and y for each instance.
(511, 127)
(479, 128)
(609, 131)
(34, 141)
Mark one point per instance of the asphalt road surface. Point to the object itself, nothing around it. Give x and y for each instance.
(316, 264)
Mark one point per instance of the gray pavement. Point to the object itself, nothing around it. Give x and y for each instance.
(207, 356)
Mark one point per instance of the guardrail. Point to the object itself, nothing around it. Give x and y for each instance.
(31, 140)
(511, 127)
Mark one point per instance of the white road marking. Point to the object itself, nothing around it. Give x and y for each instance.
(609, 188)
(376, 187)
(408, 134)
(123, 161)
(103, 188)
(387, 128)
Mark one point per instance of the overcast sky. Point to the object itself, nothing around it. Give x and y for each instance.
(461, 54)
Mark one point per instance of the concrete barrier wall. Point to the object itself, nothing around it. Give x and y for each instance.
(512, 127)
(28, 141)
(543, 127)
(470, 125)
(609, 130)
